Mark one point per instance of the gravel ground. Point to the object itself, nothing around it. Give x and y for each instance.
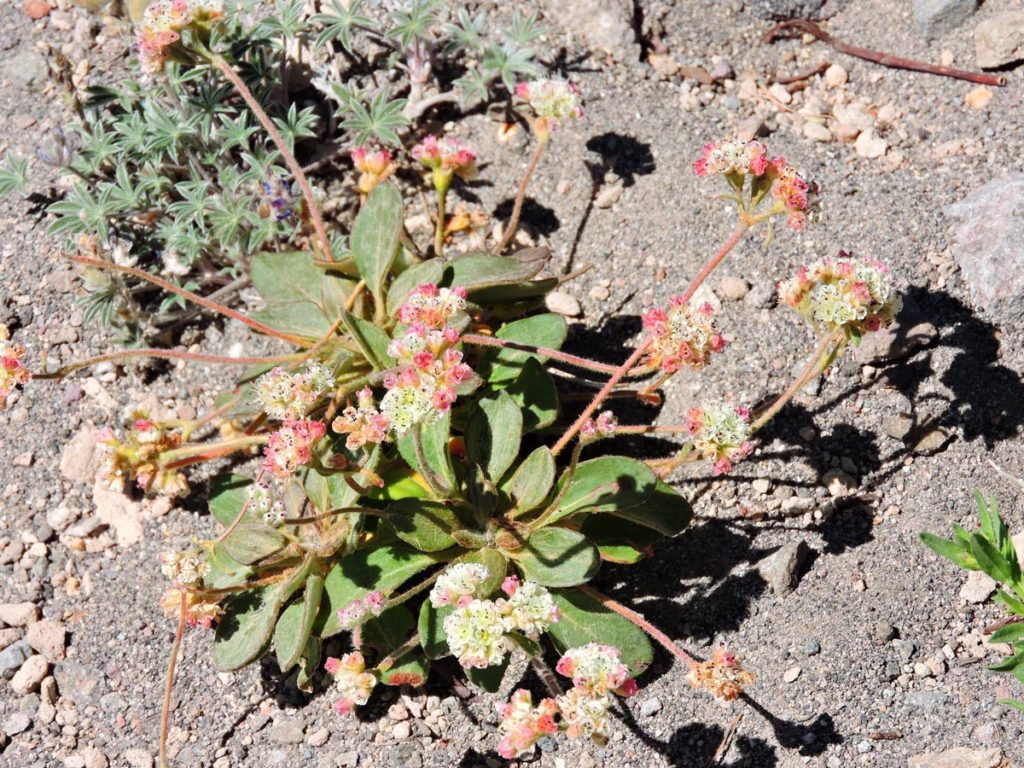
(872, 659)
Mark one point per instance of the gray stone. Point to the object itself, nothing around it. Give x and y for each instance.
(904, 649)
(990, 246)
(12, 657)
(606, 25)
(1000, 40)
(286, 731)
(812, 648)
(937, 16)
(978, 587)
(958, 758)
(26, 70)
(883, 632)
(19, 722)
(927, 701)
(780, 10)
(79, 683)
(650, 707)
(782, 569)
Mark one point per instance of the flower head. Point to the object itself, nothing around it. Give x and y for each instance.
(358, 611)
(682, 335)
(199, 612)
(732, 156)
(363, 423)
(279, 198)
(459, 584)
(286, 395)
(723, 675)
(597, 669)
(721, 433)
(446, 157)
(792, 192)
(432, 307)
(522, 723)
(603, 426)
(584, 716)
(374, 166)
(843, 294)
(476, 634)
(12, 372)
(352, 679)
(159, 33)
(553, 101)
(529, 608)
(184, 569)
(138, 456)
(291, 446)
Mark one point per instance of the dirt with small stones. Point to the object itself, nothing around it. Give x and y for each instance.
(875, 658)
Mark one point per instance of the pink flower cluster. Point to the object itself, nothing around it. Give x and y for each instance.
(163, 23)
(723, 675)
(199, 611)
(603, 426)
(522, 723)
(446, 157)
(683, 335)
(358, 611)
(737, 159)
(374, 166)
(12, 372)
(721, 433)
(291, 446)
(432, 307)
(138, 456)
(363, 423)
(352, 679)
(597, 669)
(847, 294)
(554, 102)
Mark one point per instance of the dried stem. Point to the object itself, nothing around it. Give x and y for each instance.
(286, 153)
(517, 208)
(723, 747)
(878, 57)
(660, 637)
(165, 719)
(195, 298)
(169, 354)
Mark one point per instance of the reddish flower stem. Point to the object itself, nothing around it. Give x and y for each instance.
(517, 208)
(165, 718)
(660, 637)
(633, 359)
(282, 147)
(195, 298)
(823, 356)
(554, 354)
(169, 354)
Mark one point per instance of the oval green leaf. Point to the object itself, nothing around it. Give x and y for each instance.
(557, 557)
(584, 620)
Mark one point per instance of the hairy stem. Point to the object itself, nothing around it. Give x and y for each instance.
(413, 591)
(660, 637)
(195, 298)
(547, 676)
(165, 718)
(442, 198)
(633, 359)
(554, 354)
(824, 354)
(187, 454)
(517, 208)
(282, 147)
(389, 661)
(168, 354)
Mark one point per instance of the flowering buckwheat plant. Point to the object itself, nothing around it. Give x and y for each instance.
(721, 433)
(159, 35)
(12, 372)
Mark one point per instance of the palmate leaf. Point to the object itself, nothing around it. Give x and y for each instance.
(382, 119)
(13, 174)
(340, 23)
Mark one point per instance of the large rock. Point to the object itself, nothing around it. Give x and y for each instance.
(961, 757)
(990, 246)
(782, 570)
(1000, 40)
(607, 25)
(938, 16)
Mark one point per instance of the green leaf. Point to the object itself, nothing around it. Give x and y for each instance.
(244, 631)
(331, 491)
(479, 270)
(375, 237)
(430, 271)
(1013, 603)
(531, 483)
(665, 510)
(488, 678)
(301, 299)
(383, 568)
(584, 620)
(251, 542)
(228, 494)
(1011, 665)
(557, 557)
(528, 646)
(606, 484)
(535, 393)
(1011, 633)
(619, 541)
(372, 341)
(1011, 703)
(296, 623)
(225, 571)
(526, 293)
(426, 525)
(496, 564)
(494, 434)
(399, 483)
(950, 550)
(990, 559)
(434, 435)
(431, 629)
(547, 330)
(385, 633)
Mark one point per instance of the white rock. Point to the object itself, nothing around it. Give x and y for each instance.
(978, 587)
(119, 512)
(18, 614)
(80, 459)
(817, 132)
(839, 483)
(29, 675)
(870, 145)
(961, 757)
(562, 303)
(780, 92)
(608, 196)
(47, 637)
(791, 674)
(836, 76)
(733, 288)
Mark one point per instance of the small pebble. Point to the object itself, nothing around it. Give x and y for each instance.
(791, 674)
(651, 707)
